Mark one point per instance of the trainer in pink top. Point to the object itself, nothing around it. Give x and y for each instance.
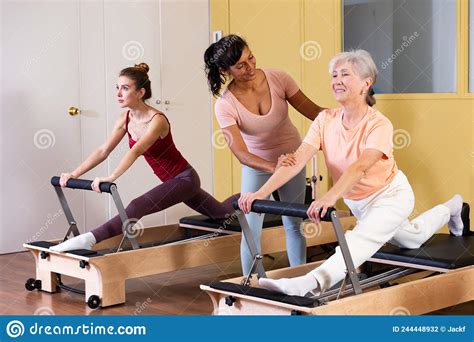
(267, 136)
(342, 147)
(253, 114)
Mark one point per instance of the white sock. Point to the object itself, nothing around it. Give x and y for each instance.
(298, 286)
(83, 241)
(455, 222)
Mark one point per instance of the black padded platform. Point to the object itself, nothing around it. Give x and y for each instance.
(441, 251)
(85, 253)
(82, 252)
(42, 244)
(231, 224)
(265, 294)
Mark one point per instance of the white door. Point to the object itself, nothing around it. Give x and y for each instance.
(40, 80)
(132, 35)
(184, 38)
(93, 95)
(171, 37)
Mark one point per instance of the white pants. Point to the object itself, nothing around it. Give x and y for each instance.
(382, 217)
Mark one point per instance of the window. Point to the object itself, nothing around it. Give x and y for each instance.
(413, 43)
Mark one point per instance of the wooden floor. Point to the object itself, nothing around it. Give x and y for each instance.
(174, 293)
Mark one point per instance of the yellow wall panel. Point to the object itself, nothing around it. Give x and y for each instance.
(222, 155)
(273, 31)
(433, 146)
(321, 41)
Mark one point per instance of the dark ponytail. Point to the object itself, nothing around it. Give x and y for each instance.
(215, 76)
(219, 57)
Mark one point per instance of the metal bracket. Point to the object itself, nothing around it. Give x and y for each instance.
(351, 272)
(124, 218)
(67, 212)
(257, 261)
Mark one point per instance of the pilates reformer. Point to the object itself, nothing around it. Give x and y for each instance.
(437, 275)
(134, 254)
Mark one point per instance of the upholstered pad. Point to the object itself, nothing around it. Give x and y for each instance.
(231, 223)
(265, 294)
(82, 252)
(441, 251)
(85, 252)
(42, 244)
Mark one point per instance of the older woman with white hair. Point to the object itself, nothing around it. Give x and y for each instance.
(356, 140)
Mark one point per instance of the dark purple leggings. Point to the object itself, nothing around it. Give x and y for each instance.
(185, 187)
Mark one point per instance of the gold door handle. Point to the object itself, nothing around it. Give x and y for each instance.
(73, 111)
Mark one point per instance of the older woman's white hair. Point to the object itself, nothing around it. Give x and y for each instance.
(363, 65)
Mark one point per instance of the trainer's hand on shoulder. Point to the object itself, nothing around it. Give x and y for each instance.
(246, 199)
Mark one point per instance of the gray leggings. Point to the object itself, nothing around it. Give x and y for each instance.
(185, 187)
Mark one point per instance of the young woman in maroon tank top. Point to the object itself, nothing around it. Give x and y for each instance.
(149, 134)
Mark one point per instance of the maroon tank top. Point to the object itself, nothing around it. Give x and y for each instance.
(163, 156)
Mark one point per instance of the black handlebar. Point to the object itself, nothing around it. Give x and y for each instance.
(283, 208)
(82, 184)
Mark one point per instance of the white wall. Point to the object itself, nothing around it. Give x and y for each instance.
(38, 139)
